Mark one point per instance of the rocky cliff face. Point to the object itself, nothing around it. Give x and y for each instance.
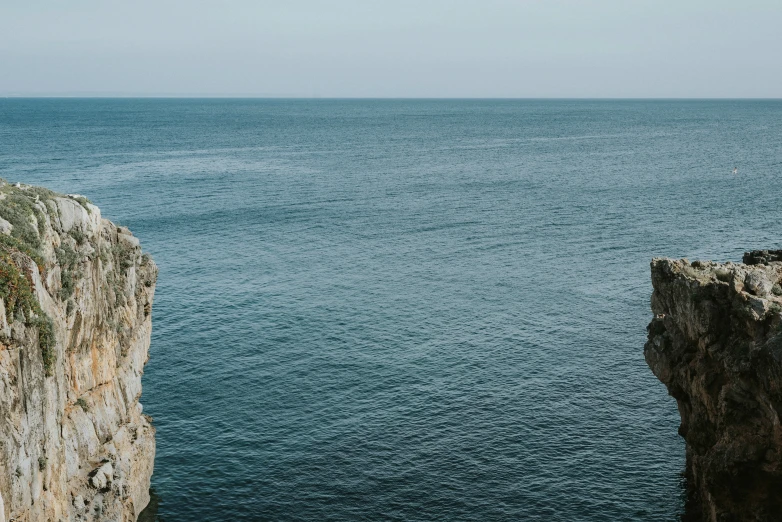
(716, 343)
(75, 321)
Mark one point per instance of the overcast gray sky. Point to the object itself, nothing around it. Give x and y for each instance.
(393, 48)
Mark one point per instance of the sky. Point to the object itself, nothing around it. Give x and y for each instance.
(392, 48)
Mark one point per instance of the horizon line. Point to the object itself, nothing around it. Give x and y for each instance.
(279, 97)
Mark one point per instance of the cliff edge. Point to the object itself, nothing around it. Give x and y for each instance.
(75, 322)
(716, 344)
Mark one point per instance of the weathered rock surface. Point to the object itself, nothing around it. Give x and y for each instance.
(75, 323)
(716, 344)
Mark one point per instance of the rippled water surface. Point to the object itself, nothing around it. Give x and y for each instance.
(410, 310)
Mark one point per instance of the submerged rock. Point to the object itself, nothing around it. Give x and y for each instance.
(716, 343)
(75, 323)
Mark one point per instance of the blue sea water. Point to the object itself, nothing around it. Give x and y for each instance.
(410, 309)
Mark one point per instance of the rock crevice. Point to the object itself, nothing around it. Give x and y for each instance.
(716, 343)
(75, 322)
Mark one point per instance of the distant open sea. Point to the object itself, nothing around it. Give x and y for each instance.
(410, 309)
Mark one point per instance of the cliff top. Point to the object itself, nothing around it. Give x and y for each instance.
(754, 284)
(51, 230)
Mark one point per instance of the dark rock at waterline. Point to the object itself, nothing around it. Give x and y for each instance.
(762, 257)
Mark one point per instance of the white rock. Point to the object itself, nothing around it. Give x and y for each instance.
(78, 503)
(757, 283)
(128, 240)
(73, 215)
(18, 331)
(102, 476)
(5, 227)
(5, 328)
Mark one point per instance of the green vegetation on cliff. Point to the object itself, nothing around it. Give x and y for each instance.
(20, 208)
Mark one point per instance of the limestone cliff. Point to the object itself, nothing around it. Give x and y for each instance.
(75, 322)
(716, 343)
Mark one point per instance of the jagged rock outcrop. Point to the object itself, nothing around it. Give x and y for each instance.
(716, 344)
(75, 323)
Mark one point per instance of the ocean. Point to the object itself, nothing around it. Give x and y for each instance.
(410, 309)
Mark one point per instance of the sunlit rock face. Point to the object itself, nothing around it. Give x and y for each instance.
(75, 322)
(716, 344)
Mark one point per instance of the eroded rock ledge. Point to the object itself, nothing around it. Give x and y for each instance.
(75, 322)
(716, 344)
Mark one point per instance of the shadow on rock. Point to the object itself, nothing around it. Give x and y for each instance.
(150, 512)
